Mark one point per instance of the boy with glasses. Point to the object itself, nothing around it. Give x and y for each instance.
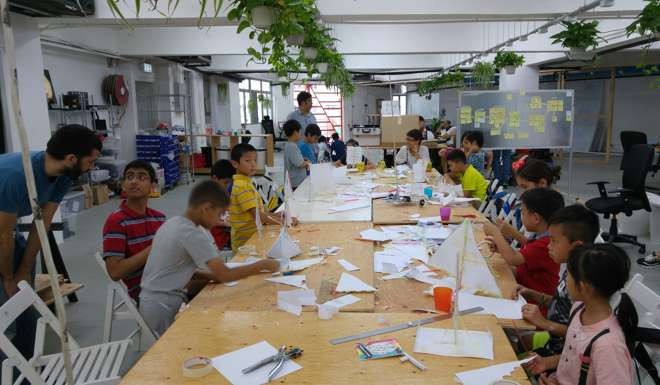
(128, 231)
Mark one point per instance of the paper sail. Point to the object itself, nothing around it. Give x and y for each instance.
(321, 178)
(419, 171)
(340, 175)
(284, 247)
(288, 196)
(351, 283)
(476, 274)
(353, 155)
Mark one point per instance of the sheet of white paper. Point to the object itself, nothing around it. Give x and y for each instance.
(334, 250)
(374, 235)
(321, 178)
(398, 260)
(347, 265)
(437, 232)
(231, 284)
(284, 247)
(291, 280)
(441, 342)
(351, 283)
(476, 274)
(402, 232)
(361, 204)
(427, 220)
(417, 251)
(489, 374)
(339, 175)
(292, 301)
(342, 301)
(378, 195)
(353, 155)
(301, 264)
(499, 307)
(231, 364)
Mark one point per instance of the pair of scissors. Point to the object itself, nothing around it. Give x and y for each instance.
(279, 359)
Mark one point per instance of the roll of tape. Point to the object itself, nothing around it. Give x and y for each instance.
(197, 367)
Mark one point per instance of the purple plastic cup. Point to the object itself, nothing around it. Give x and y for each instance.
(445, 213)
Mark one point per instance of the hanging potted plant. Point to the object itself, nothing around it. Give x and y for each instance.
(648, 20)
(483, 74)
(578, 37)
(508, 61)
(266, 103)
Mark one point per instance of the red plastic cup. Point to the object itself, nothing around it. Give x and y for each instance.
(445, 213)
(442, 297)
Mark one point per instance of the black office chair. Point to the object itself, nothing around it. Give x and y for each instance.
(631, 197)
(629, 139)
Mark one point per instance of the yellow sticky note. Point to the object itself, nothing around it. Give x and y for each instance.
(508, 135)
(523, 135)
(496, 131)
(480, 116)
(555, 105)
(496, 116)
(569, 116)
(536, 103)
(509, 97)
(554, 118)
(514, 119)
(537, 122)
(522, 92)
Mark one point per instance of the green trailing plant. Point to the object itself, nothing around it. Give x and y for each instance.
(437, 82)
(483, 74)
(648, 20)
(508, 58)
(578, 34)
(291, 18)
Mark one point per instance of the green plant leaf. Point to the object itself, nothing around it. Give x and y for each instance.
(242, 25)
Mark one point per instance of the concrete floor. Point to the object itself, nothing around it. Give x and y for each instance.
(86, 316)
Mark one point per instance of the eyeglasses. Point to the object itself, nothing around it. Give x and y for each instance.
(139, 177)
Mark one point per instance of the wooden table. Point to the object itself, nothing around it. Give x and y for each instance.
(386, 213)
(212, 332)
(322, 277)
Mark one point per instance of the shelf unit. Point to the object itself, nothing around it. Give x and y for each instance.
(164, 150)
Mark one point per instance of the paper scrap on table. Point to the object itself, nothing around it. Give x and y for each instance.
(334, 250)
(292, 301)
(390, 262)
(231, 364)
(423, 274)
(374, 235)
(248, 261)
(351, 283)
(342, 301)
(499, 307)
(489, 374)
(441, 342)
(418, 251)
(347, 265)
(437, 232)
(284, 247)
(362, 204)
(401, 232)
(302, 264)
(291, 280)
(231, 284)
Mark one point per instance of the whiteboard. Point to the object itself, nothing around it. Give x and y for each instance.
(518, 119)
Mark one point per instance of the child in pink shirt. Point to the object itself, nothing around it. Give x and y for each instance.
(598, 340)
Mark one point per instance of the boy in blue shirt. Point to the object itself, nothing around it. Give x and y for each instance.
(308, 145)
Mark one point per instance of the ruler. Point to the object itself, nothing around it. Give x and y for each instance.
(402, 326)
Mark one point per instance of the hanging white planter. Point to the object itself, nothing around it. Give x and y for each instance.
(579, 53)
(310, 53)
(510, 70)
(298, 39)
(262, 16)
(322, 67)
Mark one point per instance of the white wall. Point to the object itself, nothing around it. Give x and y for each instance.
(364, 102)
(32, 96)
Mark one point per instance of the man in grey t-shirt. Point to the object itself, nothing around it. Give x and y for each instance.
(181, 250)
(303, 114)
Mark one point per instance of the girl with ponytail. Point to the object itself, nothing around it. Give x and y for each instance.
(600, 335)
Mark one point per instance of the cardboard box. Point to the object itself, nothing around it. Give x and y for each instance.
(89, 196)
(394, 129)
(101, 194)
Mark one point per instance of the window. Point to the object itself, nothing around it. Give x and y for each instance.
(254, 108)
(401, 99)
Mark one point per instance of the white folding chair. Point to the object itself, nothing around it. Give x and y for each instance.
(120, 306)
(97, 364)
(647, 303)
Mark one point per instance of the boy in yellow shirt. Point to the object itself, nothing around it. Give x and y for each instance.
(474, 184)
(245, 200)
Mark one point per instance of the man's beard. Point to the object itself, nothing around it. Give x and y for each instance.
(73, 172)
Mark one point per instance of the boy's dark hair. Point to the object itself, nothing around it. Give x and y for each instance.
(73, 139)
(291, 126)
(475, 136)
(223, 169)
(577, 222)
(335, 136)
(534, 170)
(606, 268)
(139, 164)
(542, 201)
(241, 149)
(303, 96)
(312, 130)
(457, 156)
(208, 191)
(421, 118)
(416, 134)
(352, 143)
(323, 139)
